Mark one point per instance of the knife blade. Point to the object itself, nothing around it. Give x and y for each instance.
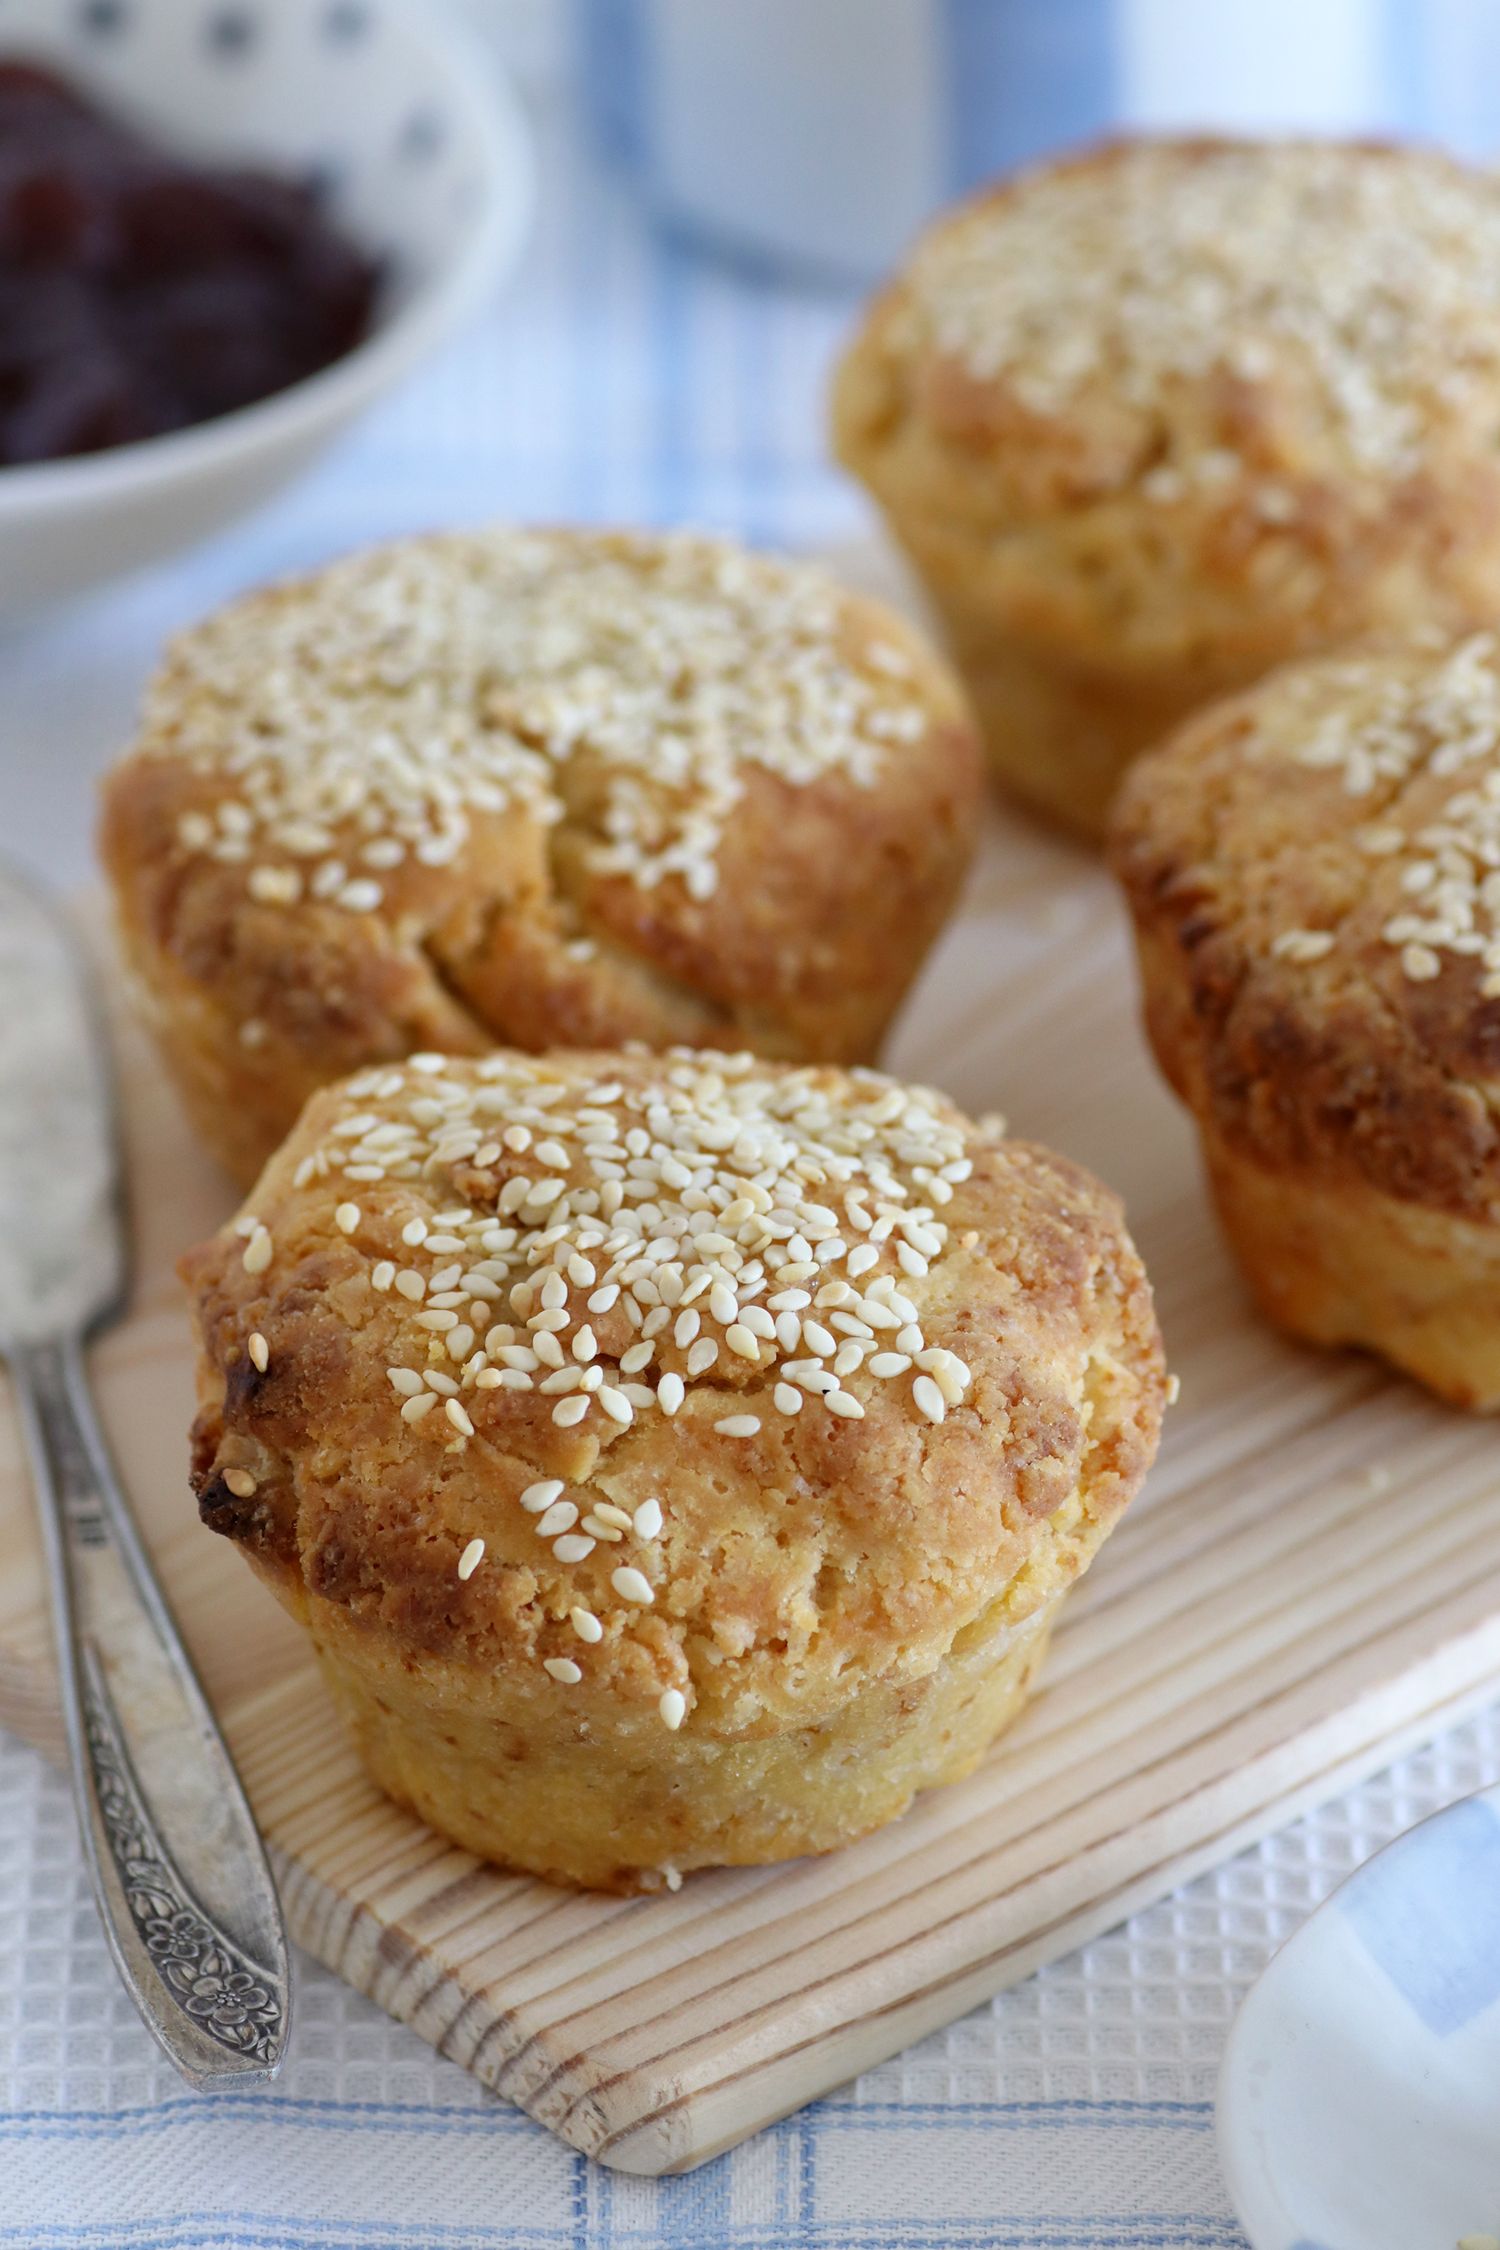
(62, 1245)
(177, 1864)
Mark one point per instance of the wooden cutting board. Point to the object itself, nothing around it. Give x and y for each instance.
(1309, 1584)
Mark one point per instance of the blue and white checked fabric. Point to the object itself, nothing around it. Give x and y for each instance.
(619, 380)
(1074, 2113)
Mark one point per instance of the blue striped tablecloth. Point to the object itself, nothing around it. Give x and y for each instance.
(617, 381)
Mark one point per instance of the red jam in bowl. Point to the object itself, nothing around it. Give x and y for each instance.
(140, 293)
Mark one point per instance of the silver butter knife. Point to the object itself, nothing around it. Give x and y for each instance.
(178, 1869)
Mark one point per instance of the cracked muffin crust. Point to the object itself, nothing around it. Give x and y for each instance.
(1314, 872)
(531, 787)
(677, 1459)
(1156, 418)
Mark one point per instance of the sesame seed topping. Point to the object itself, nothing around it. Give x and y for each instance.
(673, 1708)
(270, 886)
(1302, 945)
(375, 714)
(563, 1668)
(1369, 280)
(260, 1352)
(471, 1558)
(887, 1365)
(928, 1399)
(759, 1150)
(586, 1625)
(258, 1251)
(561, 1516)
(240, 1483)
(1392, 726)
(346, 1218)
(726, 1235)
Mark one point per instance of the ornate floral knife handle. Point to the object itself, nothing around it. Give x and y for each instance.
(177, 1864)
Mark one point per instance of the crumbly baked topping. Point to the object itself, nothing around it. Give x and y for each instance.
(1373, 275)
(616, 1243)
(364, 718)
(1383, 730)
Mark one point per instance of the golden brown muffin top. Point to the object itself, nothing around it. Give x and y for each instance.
(1344, 296)
(360, 721)
(1195, 404)
(700, 1381)
(1322, 855)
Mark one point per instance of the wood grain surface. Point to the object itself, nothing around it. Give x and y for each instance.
(1310, 1584)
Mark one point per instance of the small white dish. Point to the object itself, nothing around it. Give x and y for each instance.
(1359, 2102)
(426, 162)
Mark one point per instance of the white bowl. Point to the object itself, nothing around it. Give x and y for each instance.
(427, 164)
(1359, 2103)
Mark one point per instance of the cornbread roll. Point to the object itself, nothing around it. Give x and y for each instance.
(677, 1460)
(1314, 872)
(1154, 419)
(531, 788)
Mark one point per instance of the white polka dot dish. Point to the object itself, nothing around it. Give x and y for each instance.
(424, 161)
